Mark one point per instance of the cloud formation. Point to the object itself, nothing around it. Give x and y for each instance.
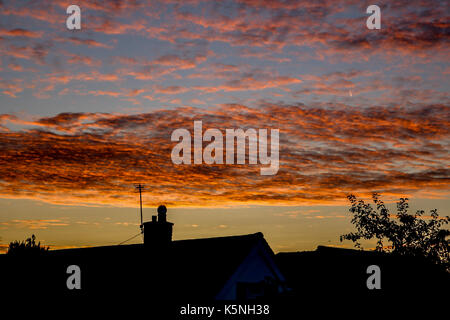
(358, 110)
(325, 153)
(34, 224)
(242, 50)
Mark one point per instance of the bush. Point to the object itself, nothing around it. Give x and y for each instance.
(27, 247)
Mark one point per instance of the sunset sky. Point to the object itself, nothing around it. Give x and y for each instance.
(85, 114)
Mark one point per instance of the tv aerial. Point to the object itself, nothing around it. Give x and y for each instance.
(140, 187)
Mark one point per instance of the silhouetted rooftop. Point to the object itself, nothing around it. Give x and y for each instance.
(204, 264)
(344, 271)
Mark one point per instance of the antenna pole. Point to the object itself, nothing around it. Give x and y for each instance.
(140, 200)
(140, 187)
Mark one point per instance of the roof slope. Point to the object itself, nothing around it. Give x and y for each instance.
(197, 268)
(332, 272)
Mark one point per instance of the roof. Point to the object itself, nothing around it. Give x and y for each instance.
(335, 271)
(197, 268)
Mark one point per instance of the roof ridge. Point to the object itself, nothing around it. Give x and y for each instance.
(258, 235)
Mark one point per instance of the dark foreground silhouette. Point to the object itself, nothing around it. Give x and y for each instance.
(162, 276)
(195, 271)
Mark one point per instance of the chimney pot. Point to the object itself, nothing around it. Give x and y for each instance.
(158, 232)
(162, 210)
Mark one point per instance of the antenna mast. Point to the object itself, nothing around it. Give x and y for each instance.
(140, 187)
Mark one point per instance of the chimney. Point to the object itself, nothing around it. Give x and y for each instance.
(158, 232)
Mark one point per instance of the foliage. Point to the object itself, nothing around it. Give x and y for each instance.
(406, 234)
(27, 247)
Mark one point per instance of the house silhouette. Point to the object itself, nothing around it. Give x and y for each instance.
(161, 274)
(210, 269)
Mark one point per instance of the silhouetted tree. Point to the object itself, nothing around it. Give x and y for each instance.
(407, 234)
(28, 247)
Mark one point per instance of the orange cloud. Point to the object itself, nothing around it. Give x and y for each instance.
(18, 32)
(170, 89)
(89, 61)
(325, 153)
(11, 88)
(86, 42)
(34, 224)
(255, 80)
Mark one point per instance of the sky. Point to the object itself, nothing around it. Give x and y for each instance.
(85, 114)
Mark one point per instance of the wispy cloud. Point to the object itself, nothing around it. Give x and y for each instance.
(33, 224)
(324, 154)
